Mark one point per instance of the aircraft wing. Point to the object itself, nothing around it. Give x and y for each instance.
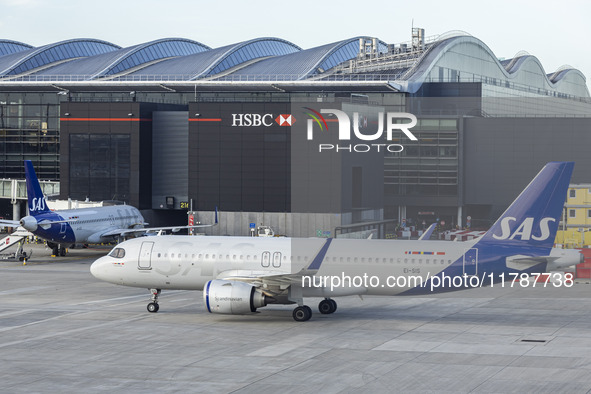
(126, 231)
(10, 223)
(15, 223)
(273, 281)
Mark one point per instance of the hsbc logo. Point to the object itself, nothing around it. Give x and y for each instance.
(285, 120)
(258, 120)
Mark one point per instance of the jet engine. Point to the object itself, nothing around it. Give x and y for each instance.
(29, 223)
(233, 297)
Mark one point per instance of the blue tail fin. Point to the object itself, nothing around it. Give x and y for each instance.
(531, 221)
(35, 197)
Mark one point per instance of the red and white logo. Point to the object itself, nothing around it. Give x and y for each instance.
(285, 120)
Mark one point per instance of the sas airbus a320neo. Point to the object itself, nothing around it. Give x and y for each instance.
(240, 274)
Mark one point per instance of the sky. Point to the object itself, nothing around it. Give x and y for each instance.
(557, 33)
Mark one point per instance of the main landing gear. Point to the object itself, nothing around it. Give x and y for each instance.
(57, 249)
(304, 312)
(153, 306)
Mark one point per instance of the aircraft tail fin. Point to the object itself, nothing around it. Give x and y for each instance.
(35, 197)
(531, 221)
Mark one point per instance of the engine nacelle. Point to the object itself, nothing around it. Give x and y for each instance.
(233, 297)
(29, 223)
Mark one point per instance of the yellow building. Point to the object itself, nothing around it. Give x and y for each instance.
(574, 230)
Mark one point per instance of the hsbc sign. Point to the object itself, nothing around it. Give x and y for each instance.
(257, 120)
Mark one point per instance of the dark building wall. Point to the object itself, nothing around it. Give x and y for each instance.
(106, 151)
(502, 155)
(238, 168)
(170, 159)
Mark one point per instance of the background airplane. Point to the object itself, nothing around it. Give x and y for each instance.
(85, 225)
(240, 274)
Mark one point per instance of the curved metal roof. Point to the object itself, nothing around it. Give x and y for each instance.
(7, 47)
(305, 63)
(449, 58)
(470, 55)
(24, 61)
(218, 60)
(124, 59)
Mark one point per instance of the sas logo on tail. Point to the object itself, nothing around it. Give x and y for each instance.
(524, 231)
(37, 204)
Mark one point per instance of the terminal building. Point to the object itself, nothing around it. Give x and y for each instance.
(173, 124)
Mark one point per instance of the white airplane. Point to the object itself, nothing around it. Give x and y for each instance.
(85, 225)
(240, 274)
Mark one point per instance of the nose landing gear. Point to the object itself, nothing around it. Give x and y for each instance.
(153, 306)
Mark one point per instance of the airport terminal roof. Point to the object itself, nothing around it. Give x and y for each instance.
(455, 57)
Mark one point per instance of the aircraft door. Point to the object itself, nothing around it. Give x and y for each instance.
(63, 228)
(145, 257)
(266, 259)
(471, 262)
(276, 259)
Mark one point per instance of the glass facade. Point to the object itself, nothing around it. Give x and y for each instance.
(29, 132)
(344, 53)
(100, 166)
(56, 52)
(7, 47)
(155, 51)
(427, 167)
(254, 50)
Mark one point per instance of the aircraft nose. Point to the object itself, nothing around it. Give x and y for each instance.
(100, 268)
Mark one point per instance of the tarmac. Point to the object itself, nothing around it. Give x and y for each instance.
(62, 330)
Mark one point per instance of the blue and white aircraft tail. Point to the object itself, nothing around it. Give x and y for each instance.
(531, 221)
(240, 274)
(84, 226)
(36, 199)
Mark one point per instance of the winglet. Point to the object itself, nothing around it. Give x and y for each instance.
(427, 234)
(35, 197)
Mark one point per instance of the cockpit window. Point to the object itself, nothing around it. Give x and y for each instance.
(117, 253)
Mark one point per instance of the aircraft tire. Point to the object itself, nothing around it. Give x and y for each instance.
(153, 307)
(302, 313)
(327, 306)
(334, 305)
